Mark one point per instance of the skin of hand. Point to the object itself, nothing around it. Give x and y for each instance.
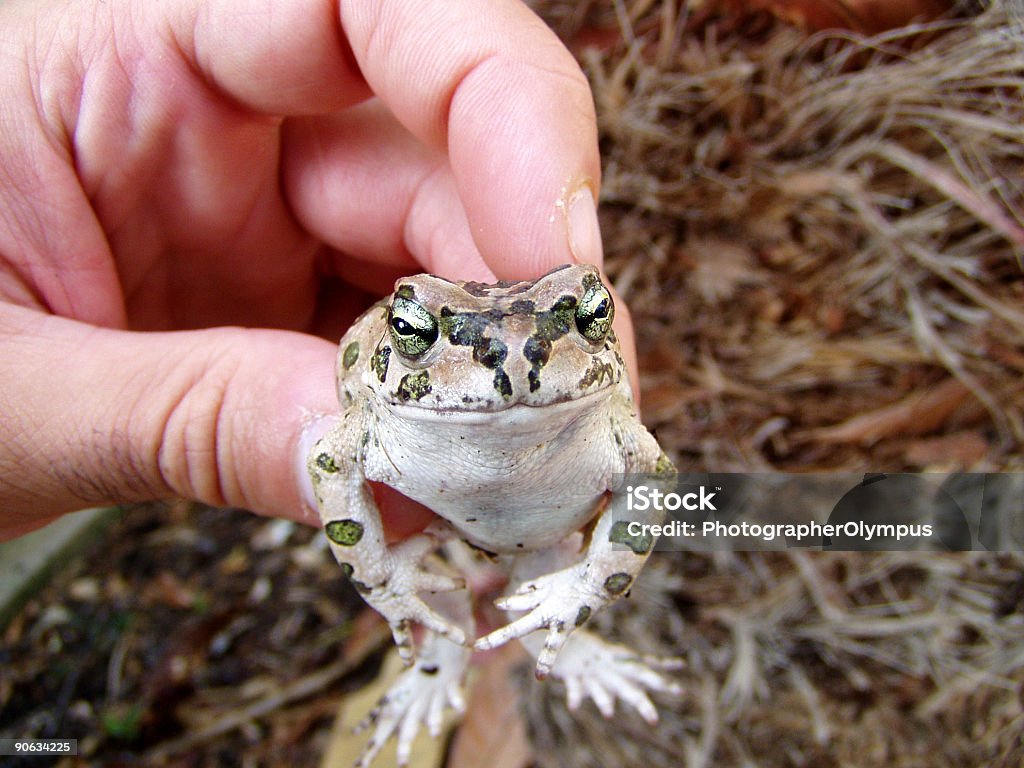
(196, 195)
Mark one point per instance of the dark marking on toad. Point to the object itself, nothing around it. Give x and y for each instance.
(470, 329)
(413, 386)
(351, 355)
(326, 463)
(617, 583)
(640, 544)
(344, 533)
(379, 362)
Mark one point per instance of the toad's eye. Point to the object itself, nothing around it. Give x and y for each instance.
(413, 329)
(594, 313)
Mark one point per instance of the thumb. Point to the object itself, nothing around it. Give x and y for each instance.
(94, 416)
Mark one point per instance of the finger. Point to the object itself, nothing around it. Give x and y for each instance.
(435, 714)
(432, 620)
(573, 692)
(106, 416)
(411, 551)
(553, 643)
(521, 601)
(410, 217)
(635, 697)
(338, 302)
(455, 697)
(650, 679)
(604, 701)
(401, 632)
(374, 745)
(371, 718)
(518, 628)
(667, 663)
(278, 58)
(439, 582)
(366, 186)
(493, 87)
(408, 728)
(623, 324)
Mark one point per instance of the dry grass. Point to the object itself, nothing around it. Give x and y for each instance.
(809, 229)
(821, 240)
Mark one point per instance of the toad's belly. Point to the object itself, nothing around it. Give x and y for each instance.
(505, 490)
(516, 523)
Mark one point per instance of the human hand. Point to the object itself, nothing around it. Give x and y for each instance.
(199, 163)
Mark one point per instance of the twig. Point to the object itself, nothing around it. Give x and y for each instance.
(291, 692)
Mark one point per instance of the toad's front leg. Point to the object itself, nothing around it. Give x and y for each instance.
(590, 667)
(389, 578)
(565, 599)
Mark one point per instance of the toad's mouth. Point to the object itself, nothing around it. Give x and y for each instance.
(476, 412)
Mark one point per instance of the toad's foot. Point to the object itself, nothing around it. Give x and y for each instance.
(596, 669)
(397, 598)
(559, 602)
(419, 696)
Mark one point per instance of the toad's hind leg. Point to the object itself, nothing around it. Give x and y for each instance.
(594, 668)
(590, 666)
(421, 693)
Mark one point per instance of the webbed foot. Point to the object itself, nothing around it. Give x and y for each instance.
(605, 672)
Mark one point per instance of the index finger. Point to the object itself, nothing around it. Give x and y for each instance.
(492, 85)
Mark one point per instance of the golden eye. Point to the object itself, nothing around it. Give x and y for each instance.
(413, 329)
(594, 313)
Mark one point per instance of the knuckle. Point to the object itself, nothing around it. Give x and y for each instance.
(191, 432)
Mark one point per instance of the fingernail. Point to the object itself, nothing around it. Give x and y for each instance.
(584, 229)
(317, 427)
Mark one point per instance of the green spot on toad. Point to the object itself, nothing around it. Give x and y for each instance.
(344, 533)
(351, 355)
(326, 463)
(640, 544)
(413, 386)
(617, 583)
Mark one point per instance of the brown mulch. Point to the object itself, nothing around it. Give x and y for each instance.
(185, 621)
